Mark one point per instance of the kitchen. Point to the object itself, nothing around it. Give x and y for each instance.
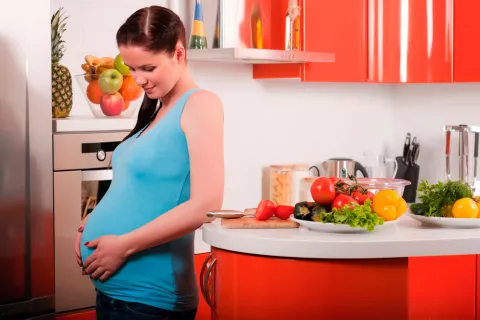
(279, 120)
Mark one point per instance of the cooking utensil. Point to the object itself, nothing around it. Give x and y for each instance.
(448, 174)
(228, 214)
(475, 157)
(463, 152)
(406, 147)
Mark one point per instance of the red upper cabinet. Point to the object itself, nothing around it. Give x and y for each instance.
(466, 37)
(338, 27)
(274, 38)
(410, 41)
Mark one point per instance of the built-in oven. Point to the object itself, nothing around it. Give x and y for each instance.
(82, 176)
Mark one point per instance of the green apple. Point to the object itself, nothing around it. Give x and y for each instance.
(110, 81)
(120, 65)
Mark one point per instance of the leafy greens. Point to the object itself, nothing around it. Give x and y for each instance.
(354, 216)
(441, 196)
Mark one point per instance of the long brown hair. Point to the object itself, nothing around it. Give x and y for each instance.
(157, 29)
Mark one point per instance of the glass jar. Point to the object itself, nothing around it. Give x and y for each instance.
(285, 183)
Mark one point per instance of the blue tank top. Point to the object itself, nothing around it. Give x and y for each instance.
(151, 175)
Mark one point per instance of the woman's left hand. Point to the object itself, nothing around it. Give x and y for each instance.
(110, 254)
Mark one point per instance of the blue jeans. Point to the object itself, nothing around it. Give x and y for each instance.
(112, 309)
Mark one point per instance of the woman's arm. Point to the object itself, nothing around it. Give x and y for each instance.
(202, 122)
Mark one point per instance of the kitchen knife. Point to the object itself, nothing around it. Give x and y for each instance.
(406, 147)
(417, 152)
(410, 153)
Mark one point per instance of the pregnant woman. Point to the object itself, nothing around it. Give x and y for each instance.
(137, 244)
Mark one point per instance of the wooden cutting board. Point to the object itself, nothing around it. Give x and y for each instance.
(252, 223)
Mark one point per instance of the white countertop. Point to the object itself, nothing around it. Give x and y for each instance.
(406, 238)
(92, 124)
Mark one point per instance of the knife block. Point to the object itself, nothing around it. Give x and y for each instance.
(412, 174)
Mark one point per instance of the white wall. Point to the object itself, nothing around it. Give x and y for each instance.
(424, 109)
(267, 122)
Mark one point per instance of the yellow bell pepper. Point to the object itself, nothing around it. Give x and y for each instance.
(389, 205)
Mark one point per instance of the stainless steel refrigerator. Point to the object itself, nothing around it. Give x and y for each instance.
(26, 215)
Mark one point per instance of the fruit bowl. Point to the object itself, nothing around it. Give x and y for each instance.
(110, 93)
(376, 184)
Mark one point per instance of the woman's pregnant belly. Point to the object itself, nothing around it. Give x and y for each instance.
(160, 276)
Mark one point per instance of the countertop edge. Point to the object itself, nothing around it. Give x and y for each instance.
(220, 238)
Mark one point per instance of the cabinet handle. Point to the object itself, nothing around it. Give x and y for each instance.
(206, 281)
(202, 274)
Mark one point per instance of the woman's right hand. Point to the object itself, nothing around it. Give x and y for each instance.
(77, 244)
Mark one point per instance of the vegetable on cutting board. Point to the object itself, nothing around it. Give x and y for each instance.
(266, 209)
(451, 199)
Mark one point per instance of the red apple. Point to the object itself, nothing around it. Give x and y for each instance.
(111, 104)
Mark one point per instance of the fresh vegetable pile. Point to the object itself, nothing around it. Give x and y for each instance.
(338, 202)
(452, 199)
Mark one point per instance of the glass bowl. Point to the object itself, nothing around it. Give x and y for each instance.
(121, 104)
(376, 184)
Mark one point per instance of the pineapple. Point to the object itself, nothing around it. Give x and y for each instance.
(62, 95)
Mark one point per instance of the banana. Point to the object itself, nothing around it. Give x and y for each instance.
(91, 60)
(95, 66)
(106, 62)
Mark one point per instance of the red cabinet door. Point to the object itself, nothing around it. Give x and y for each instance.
(274, 38)
(410, 41)
(478, 287)
(442, 287)
(338, 27)
(466, 37)
(203, 311)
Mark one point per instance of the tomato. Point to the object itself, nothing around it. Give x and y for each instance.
(335, 180)
(389, 205)
(342, 200)
(362, 195)
(283, 212)
(265, 210)
(323, 191)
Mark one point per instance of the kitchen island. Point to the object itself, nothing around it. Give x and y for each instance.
(401, 271)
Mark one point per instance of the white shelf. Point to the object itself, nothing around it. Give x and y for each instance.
(257, 56)
(92, 124)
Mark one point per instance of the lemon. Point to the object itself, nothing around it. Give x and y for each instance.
(465, 208)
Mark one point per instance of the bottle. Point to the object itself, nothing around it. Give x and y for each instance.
(216, 35)
(256, 26)
(292, 26)
(198, 40)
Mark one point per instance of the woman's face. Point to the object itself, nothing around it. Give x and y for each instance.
(156, 73)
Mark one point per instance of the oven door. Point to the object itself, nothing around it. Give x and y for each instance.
(76, 193)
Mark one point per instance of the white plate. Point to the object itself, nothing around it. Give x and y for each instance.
(457, 223)
(338, 228)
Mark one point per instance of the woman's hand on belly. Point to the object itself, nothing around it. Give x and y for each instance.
(110, 254)
(77, 244)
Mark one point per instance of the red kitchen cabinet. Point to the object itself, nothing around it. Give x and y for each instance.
(261, 287)
(84, 315)
(466, 36)
(203, 311)
(443, 287)
(275, 15)
(410, 41)
(478, 288)
(338, 27)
